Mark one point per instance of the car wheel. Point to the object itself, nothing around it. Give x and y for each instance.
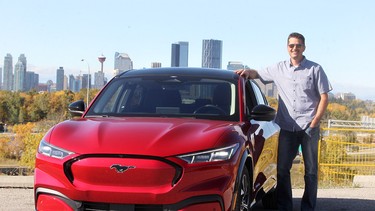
(243, 192)
(269, 201)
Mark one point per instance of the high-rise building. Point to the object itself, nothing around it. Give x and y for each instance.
(180, 54)
(32, 81)
(234, 65)
(347, 96)
(50, 86)
(8, 72)
(175, 57)
(36, 80)
(99, 80)
(22, 58)
(269, 89)
(122, 63)
(86, 81)
(19, 77)
(78, 83)
(71, 83)
(212, 53)
(184, 54)
(66, 83)
(60, 79)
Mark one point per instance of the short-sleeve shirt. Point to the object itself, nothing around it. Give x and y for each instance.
(299, 91)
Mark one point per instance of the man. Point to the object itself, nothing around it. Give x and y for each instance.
(303, 99)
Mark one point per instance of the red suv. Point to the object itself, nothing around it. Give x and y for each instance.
(162, 139)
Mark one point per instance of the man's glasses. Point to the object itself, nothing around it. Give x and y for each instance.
(295, 45)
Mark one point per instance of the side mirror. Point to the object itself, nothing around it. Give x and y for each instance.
(263, 113)
(77, 108)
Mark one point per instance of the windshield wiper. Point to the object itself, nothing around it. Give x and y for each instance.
(93, 116)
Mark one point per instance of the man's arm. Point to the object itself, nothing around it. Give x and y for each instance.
(322, 106)
(247, 73)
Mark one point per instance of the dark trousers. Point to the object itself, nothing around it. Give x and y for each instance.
(288, 146)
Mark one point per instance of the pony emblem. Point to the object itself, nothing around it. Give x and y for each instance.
(121, 169)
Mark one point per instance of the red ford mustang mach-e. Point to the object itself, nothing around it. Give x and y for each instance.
(162, 139)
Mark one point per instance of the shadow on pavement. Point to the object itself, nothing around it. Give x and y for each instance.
(332, 204)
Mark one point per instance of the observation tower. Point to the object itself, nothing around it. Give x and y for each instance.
(101, 60)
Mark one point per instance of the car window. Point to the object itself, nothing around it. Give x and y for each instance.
(254, 96)
(168, 96)
(258, 93)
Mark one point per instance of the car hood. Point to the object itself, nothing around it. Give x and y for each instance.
(140, 136)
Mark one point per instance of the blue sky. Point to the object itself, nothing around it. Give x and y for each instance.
(340, 34)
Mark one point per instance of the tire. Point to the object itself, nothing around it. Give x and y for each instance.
(243, 192)
(269, 201)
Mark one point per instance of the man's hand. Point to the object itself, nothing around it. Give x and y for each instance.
(247, 73)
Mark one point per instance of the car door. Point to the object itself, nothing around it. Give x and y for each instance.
(263, 138)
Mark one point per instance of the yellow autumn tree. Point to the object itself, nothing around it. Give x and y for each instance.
(337, 111)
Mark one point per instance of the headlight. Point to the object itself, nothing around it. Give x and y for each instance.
(209, 156)
(52, 151)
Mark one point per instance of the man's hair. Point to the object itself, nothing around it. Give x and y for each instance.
(298, 36)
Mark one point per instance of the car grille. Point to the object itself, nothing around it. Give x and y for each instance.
(142, 171)
(89, 206)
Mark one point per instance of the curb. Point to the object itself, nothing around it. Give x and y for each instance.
(364, 181)
(16, 181)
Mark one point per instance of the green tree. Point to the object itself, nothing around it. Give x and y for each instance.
(13, 102)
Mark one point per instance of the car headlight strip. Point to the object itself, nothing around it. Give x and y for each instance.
(220, 154)
(52, 151)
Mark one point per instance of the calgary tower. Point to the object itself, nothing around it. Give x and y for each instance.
(101, 60)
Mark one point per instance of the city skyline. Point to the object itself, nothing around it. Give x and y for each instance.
(337, 34)
(211, 54)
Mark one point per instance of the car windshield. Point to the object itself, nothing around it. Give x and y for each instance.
(167, 96)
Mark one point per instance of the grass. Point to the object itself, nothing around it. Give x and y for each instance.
(296, 174)
(8, 162)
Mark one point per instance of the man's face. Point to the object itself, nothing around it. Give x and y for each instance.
(295, 48)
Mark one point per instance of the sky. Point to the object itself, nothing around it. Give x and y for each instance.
(340, 34)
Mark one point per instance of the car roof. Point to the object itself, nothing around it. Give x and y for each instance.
(182, 71)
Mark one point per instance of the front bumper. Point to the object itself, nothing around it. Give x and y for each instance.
(200, 187)
(52, 200)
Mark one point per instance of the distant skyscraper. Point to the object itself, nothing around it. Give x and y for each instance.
(8, 72)
(175, 57)
(36, 80)
(32, 81)
(212, 53)
(122, 63)
(268, 89)
(184, 54)
(78, 83)
(232, 65)
(22, 58)
(155, 64)
(99, 80)
(60, 79)
(19, 77)
(86, 79)
(71, 83)
(66, 83)
(180, 54)
(50, 86)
